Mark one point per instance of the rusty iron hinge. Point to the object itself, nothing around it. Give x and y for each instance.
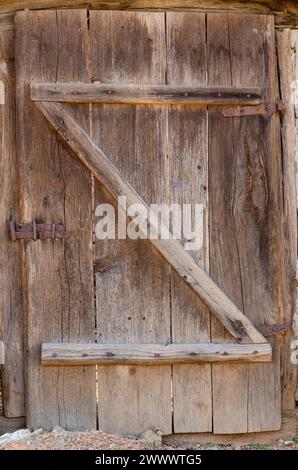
(35, 231)
(266, 108)
(270, 330)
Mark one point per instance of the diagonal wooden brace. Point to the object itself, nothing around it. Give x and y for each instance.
(172, 250)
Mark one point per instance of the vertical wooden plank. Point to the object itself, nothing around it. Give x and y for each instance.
(229, 382)
(256, 218)
(11, 309)
(55, 188)
(259, 208)
(188, 177)
(132, 280)
(286, 62)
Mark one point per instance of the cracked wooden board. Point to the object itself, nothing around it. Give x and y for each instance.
(246, 217)
(59, 275)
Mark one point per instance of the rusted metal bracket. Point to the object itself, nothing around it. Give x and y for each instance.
(266, 108)
(35, 231)
(271, 330)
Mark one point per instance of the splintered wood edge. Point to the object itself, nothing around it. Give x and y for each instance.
(152, 354)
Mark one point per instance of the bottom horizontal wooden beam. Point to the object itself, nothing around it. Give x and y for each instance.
(1, 352)
(110, 354)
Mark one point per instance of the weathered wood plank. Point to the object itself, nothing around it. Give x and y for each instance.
(188, 173)
(11, 308)
(285, 11)
(11, 424)
(2, 353)
(259, 209)
(138, 398)
(133, 302)
(229, 383)
(171, 249)
(55, 188)
(271, 5)
(287, 76)
(255, 213)
(287, 431)
(142, 94)
(134, 354)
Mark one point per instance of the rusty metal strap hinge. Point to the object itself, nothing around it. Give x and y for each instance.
(35, 231)
(266, 108)
(271, 330)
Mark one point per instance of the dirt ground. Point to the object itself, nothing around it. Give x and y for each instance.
(60, 439)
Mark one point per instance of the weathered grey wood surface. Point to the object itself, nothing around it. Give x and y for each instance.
(11, 309)
(188, 173)
(2, 355)
(247, 243)
(143, 94)
(286, 64)
(55, 188)
(285, 11)
(172, 250)
(229, 383)
(287, 431)
(246, 215)
(133, 290)
(148, 354)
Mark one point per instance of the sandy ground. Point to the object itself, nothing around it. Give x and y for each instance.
(60, 439)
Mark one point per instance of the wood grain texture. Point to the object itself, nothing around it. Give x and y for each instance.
(2, 353)
(134, 291)
(287, 431)
(285, 11)
(142, 94)
(259, 210)
(229, 401)
(172, 250)
(147, 388)
(270, 5)
(188, 173)
(55, 188)
(286, 63)
(149, 354)
(146, 144)
(11, 308)
(11, 424)
(256, 212)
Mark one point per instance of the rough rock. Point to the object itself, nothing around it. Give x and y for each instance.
(152, 436)
(14, 436)
(59, 430)
(289, 443)
(37, 432)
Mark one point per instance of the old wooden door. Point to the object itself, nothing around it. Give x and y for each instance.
(170, 151)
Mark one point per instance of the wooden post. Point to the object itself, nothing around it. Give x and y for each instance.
(11, 308)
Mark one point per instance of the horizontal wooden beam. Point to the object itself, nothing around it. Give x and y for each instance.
(172, 250)
(285, 12)
(59, 354)
(2, 355)
(287, 9)
(143, 94)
